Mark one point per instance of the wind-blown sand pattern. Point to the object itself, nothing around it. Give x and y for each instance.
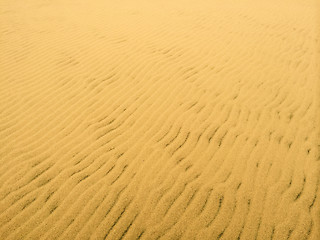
(155, 119)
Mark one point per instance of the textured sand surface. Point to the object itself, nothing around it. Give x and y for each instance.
(181, 119)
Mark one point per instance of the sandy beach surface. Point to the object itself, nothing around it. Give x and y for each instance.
(158, 119)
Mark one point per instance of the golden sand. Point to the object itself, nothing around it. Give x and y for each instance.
(158, 119)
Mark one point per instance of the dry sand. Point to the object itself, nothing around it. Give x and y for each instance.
(148, 119)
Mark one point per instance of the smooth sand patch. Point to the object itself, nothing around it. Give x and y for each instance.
(176, 119)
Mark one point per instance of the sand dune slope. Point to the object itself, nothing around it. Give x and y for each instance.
(155, 119)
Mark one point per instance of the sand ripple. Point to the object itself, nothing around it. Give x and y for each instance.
(158, 119)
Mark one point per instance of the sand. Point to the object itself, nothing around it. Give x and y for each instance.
(181, 119)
